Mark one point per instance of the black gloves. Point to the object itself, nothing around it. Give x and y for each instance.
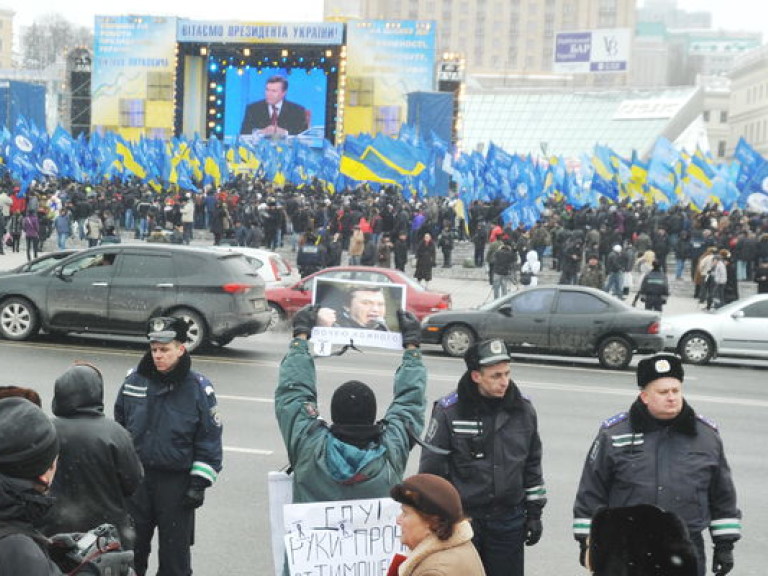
(583, 551)
(304, 320)
(410, 328)
(533, 531)
(722, 558)
(195, 494)
(194, 498)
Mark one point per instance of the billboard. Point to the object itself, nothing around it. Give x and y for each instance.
(132, 83)
(385, 61)
(592, 51)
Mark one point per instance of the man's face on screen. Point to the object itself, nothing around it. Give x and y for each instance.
(274, 93)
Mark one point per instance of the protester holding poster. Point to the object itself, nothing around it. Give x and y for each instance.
(356, 456)
(434, 529)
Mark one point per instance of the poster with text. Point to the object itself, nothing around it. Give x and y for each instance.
(364, 313)
(343, 537)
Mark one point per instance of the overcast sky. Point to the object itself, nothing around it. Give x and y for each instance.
(729, 14)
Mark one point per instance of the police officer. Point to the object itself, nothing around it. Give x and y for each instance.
(488, 433)
(662, 453)
(170, 411)
(654, 288)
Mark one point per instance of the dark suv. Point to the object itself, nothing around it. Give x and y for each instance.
(116, 289)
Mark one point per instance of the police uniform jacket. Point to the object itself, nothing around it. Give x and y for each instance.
(495, 450)
(679, 466)
(324, 467)
(172, 418)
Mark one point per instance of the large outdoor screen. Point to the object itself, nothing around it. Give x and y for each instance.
(247, 109)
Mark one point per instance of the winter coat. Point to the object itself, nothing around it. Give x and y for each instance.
(532, 266)
(23, 550)
(508, 473)
(455, 556)
(98, 468)
(324, 467)
(680, 467)
(172, 418)
(31, 226)
(426, 253)
(593, 277)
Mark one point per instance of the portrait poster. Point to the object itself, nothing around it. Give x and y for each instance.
(341, 537)
(364, 313)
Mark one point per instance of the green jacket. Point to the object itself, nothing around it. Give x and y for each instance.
(325, 468)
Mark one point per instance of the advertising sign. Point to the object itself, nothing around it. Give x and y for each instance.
(601, 50)
(133, 75)
(385, 61)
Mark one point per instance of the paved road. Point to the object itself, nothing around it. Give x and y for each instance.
(572, 397)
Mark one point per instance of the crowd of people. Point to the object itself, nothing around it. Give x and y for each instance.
(480, 494)
(611, 247)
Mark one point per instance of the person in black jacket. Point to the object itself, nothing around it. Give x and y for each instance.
(654, 288)
(491, 452)
(28, 450)
(662, 453)
(275, 116)
(172, 416)
(98, 468)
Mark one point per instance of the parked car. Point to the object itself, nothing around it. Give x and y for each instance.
(284, 302)
(271, 266)
(737, 329)
(40, 263)
(562, 320)
(116, 289)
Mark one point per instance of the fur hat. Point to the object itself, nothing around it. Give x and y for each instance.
(659, 366)
(353, 403)
(28, 441)
(429, 494)
(640, 540)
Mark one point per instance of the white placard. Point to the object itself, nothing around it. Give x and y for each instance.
(343, 537)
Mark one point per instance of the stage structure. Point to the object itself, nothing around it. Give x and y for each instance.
(166, 76)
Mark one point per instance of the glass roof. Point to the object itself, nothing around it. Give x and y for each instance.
(570, 124)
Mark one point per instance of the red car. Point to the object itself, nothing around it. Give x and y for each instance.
(285, 301)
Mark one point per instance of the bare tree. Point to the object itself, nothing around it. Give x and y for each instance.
(50, 37)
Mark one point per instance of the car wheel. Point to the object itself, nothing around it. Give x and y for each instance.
(614, 353)
(457, 340)
(696, 348)
(277, 317)
(18, 319)
(197, 331)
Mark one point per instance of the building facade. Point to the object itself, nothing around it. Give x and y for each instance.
(6, 38)
(748, 115)
(500, 37)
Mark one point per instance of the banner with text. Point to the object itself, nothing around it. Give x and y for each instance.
(385, 61)
(325, 33)
(344, 537)
(133, 77)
